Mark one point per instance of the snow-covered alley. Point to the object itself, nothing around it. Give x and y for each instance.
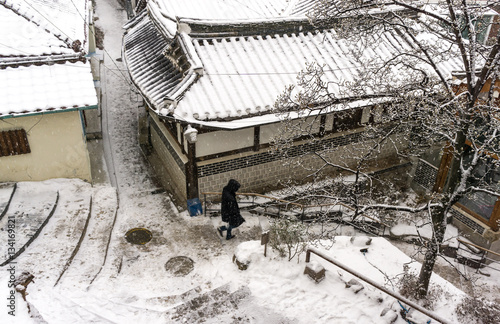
(85, 271)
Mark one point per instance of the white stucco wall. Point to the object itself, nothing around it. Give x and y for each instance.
(268, 132)
(224, 141)
(58, 148)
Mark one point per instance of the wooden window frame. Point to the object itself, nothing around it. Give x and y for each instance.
(347, 120)
(14, 142)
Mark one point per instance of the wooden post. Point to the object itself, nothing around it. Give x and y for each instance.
(495, 216)
(191, 172)
(322, 124)
(444, 167)
(264, 239)
(256, 138)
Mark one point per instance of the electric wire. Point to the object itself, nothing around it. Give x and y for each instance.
(69, 38)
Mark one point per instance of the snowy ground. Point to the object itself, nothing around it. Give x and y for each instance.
(134, 285)
(101, 278)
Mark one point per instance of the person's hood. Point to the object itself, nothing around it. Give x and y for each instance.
(233, 185)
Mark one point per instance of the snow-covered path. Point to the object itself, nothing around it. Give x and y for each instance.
(174, 234)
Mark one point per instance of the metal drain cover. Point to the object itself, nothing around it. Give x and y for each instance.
(179, 266)
(138, 236)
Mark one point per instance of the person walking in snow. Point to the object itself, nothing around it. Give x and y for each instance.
(230, 210)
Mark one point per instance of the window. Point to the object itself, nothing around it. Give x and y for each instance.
(347, 120)
(486, 175)
(481, 25)
(14, 142)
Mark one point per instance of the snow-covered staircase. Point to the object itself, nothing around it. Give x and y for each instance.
(211, 304)
(54, 220)
(7, 191)
(27, 211)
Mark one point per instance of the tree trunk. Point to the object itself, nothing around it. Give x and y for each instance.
(439, 228)
(438, 216)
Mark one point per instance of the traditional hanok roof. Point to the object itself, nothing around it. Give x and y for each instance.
(232, 81)
(234, 9)
(153, 73)
(43, 67)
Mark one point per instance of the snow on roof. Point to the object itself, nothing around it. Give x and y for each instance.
(44, 88)
(229, 9)
(237, 10)
(42, 26)
(150, 70)
(242, 76)
(38, 72)
(27, 40)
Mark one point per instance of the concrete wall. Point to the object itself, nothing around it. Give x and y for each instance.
(58, 148)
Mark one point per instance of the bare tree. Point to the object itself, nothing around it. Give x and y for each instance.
(417, 102)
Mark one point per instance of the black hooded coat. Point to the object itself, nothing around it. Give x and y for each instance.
(229, 206)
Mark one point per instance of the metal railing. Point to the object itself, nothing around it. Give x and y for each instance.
(276, 207)
(480, 257)
(375, 284)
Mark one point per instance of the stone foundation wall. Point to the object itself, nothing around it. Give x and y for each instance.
(172, 160)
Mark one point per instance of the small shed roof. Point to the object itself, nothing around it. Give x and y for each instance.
(34, 89)
(42, 64)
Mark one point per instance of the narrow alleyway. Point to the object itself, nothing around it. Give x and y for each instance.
(138, 206)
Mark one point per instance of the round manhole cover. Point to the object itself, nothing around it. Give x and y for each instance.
(179, 266)
(138, 236)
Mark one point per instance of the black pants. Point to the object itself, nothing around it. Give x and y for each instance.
(228, 229)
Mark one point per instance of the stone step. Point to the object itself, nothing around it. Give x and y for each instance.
(208, 305)
(7, 191)
(29, 211)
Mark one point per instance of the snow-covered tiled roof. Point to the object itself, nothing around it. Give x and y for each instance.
(242, 76)
(41, 27)
(150, 70)
(42, 56)
(229, 9)
(238, 10)
(245, 75)
(34, 89)
(26, 41)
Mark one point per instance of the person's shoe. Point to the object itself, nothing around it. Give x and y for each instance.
(220, 231)
(230, 237)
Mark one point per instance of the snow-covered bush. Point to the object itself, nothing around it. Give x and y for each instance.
(408, 287)
(288, 237)
(478, 310)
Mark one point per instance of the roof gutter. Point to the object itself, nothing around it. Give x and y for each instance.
(47, 112)
(6, 62)
(274, 117)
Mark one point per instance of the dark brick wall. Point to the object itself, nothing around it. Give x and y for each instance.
(467, 221)
(266, 157)
(425, 174)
